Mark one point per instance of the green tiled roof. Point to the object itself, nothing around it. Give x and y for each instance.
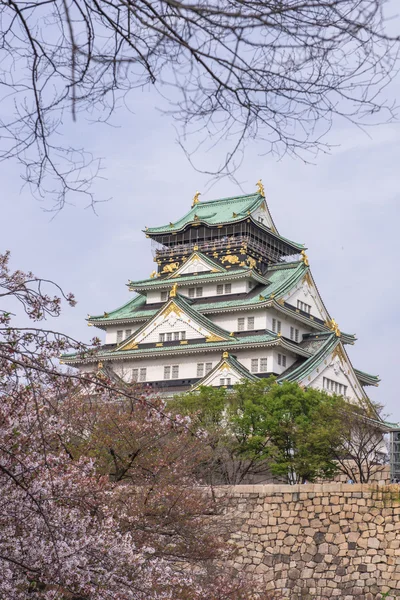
(322, 347)
(215, 212)
(110, 353)
(223, 211)
(366, 378)
(158, 282)
(280, 278)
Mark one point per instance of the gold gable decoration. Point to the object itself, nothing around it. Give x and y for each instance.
(333, 326)
(214, 338)
(170, 268)
(339, 352)
(304, 258)
(171, 308)
(230, 258)
(173, 291)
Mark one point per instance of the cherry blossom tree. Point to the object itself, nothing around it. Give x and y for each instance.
(97, 497)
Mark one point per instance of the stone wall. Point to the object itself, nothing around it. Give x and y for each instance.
(318, 541)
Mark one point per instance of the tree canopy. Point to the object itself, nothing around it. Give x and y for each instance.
(297, 434)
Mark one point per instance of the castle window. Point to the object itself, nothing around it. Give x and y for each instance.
(303, 306)
(142, 374)
(260, 219)
(334, 386)
(228, 381)
(263, 365)
(120, 335)
(183, 335)
(225, 382)
(135, 374)
(167, 372)
(164, 296)
(294, 334)
(199, 292)
(175, 371)
(222, 382)
(161, 337)
(254, 365)
(191, 292)
(176, 335)
(200, 369)
(241, 324)
(128, 333)
(276, 326)
(282, 360)
(250, 322)
(220, 289)
(208, 367)
(169, 337)
(228, 288)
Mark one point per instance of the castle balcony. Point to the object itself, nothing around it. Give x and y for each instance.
(271, 252)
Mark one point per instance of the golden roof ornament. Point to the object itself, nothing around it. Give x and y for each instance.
(100, 365)
(225, 354)
(304, 258)
(333, 326)
(106, 315)
(196, 199)
(260, 188)
(172, 292)
(153, 274)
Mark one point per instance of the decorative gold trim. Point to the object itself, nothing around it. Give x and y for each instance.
(132, 346)
(196, 217)
(252, 262)
(307, 279)
(225, 354)
(100, 365)
(159, 344)
(171, 308)
(339, 352)
(333, 326)
(182, 342)
(260, 188)
(173, 291)
(261, 297)
(281, 301)
(230, 258)
(171, 224)
(214, 338)
(153, 274)
(196, 199)
(234, 215)
(304, 258)
(170, 268)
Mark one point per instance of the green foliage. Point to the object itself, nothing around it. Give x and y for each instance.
(260, 426)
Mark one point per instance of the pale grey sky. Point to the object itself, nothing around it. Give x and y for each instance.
(345, 208)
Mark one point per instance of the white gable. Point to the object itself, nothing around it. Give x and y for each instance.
(224, 372)
(196, 264)
(171, 319)
(336, 369)
(306, 292)
(262, 215)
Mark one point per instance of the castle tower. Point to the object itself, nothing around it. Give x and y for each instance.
(230, 299)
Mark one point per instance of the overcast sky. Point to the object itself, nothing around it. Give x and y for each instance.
(345, 208)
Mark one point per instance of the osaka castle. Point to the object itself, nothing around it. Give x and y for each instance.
(230, 299)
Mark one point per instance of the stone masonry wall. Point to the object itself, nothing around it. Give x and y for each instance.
(318, 541)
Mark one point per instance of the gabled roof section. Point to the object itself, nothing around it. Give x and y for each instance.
(167, 283)
(124, 312)
(215, 212)
(197, 262)
(321, 346)
(225, 211)
(366, 378)
(179, 307)
(228, 366)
